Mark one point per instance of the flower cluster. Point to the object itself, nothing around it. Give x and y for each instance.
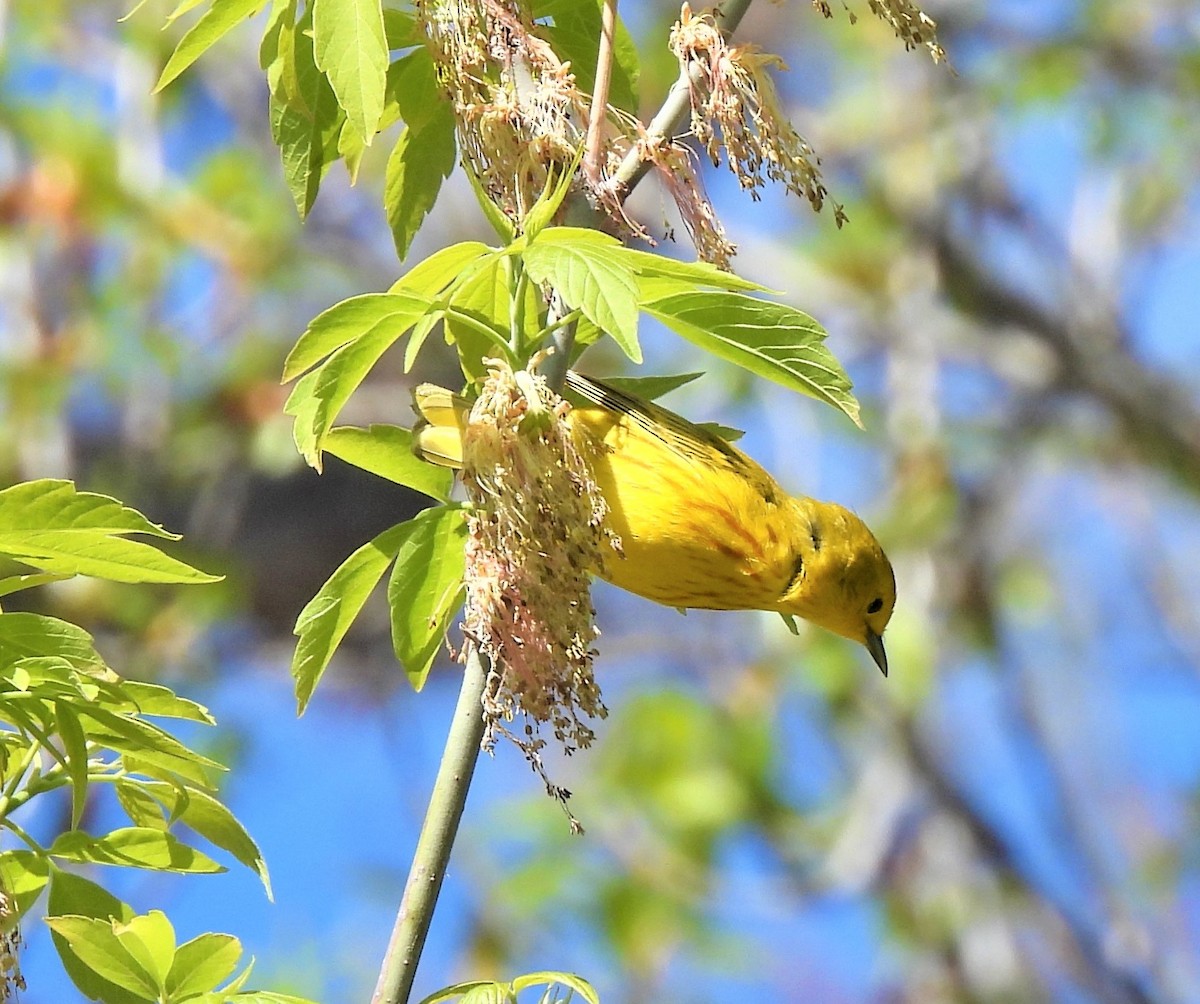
(911, 24)
(518, 107)
(536, 536)
(735, 107)
(676, 167)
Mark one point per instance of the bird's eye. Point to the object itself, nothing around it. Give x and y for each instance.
(876, 606)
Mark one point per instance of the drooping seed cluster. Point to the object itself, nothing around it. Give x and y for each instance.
(911, 24)
(518, 107)
(677, 168)
(11, 980)
(735, 108)
(536, 537)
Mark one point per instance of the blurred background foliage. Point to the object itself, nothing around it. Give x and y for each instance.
(1011, 817)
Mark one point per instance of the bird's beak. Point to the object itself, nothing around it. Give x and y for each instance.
(874, 645)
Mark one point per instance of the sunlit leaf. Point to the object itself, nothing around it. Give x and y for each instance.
(327, 617)
(426, 587)
(202, 964)
(349, 46)
(213, 24)
(96, 946)
(133, 847)
(769, 339)
(386, 450)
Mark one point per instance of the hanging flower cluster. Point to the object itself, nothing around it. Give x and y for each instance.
(536, 536)
(736, 109)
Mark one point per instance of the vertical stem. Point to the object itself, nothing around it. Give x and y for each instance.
(437, 838)
(599, 109)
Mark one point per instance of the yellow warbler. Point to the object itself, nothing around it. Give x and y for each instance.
(701, 524)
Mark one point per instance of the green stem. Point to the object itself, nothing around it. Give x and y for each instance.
(33, 844)
(437, 837)
(485, 329)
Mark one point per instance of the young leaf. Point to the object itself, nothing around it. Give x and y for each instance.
(350, 49)
(74, 744)
(23, 876)
(431, 276)
(336, 379)
(588, 270)
(554, 192)
(386, 450)
(576, 983)
(53, 504)
(141, 808)
(23, 635)
(422, 158)
(76, 896)
(349, 320)
(133, 847)
(772, 340)
(660, 276)
(94, 944)
(327, 617)
(162, 702)
(426, 587)
(650, 388)
(214, 22)
(212, 820)
(201, 964)
(150, 939)
(305, 117)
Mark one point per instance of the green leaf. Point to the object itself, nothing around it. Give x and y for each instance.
(350, 320)
(54, 504)
(350, 49)
(569, 980)
(214, 22)
(23, 876)
(650, 388)
(431, 276)
(142, 809)
(51, 525)
(400, 29)
(267, 997)
(133, 847)
(423, 157)
(482, 293)
(769, 339)
(202, 964)
(74, 744)
(94, 943)
(426, 587)
(23, 635)
(316, 406)
(589, 271)
(113, 558)
(212, 820)
(327, 617)
(386, 450)
(150, 940)
(575, 35)
(15, 583)
(306, 119)
(162, 702)
(660, 276)
(136, 738)
(554, 192)
(76, 896)
(457, 990)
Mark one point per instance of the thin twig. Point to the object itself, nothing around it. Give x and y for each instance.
(598, 113)
(437, 837)
(671, 116)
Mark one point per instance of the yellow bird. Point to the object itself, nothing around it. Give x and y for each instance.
(701, 524)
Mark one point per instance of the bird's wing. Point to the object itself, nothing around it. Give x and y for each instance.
(690, 441)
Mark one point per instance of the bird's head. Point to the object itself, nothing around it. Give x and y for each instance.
(843, 581)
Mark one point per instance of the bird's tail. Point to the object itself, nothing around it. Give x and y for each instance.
(437, 436)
